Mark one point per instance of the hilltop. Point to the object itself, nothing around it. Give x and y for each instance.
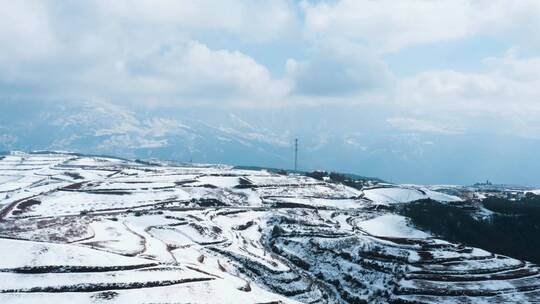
(99, 229)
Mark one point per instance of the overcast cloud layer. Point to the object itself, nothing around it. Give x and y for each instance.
(446, 67)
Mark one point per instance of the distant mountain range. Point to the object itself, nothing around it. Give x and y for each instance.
(115, 130)
(331, 138)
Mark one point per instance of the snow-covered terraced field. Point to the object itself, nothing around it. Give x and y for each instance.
(77, 229)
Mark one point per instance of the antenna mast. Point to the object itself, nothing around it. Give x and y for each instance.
(296, 154)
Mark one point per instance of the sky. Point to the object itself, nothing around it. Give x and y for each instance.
(447, 71)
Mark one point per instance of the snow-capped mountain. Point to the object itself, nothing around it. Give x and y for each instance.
(102, 128)
(340, 139)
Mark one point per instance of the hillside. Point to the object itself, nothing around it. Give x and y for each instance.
(83, 229)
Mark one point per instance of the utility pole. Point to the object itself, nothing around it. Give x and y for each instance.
(296, 154)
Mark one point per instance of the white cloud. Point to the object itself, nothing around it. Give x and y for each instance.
(442, 86)
(154, 52)
(509, 85)
(187, 72)
(26, 38)
(24, 30)
(512, 66)
(139, 51)
(503, 99)
(338, 68)
(389, 25)
(197, 71)
(260, 20)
